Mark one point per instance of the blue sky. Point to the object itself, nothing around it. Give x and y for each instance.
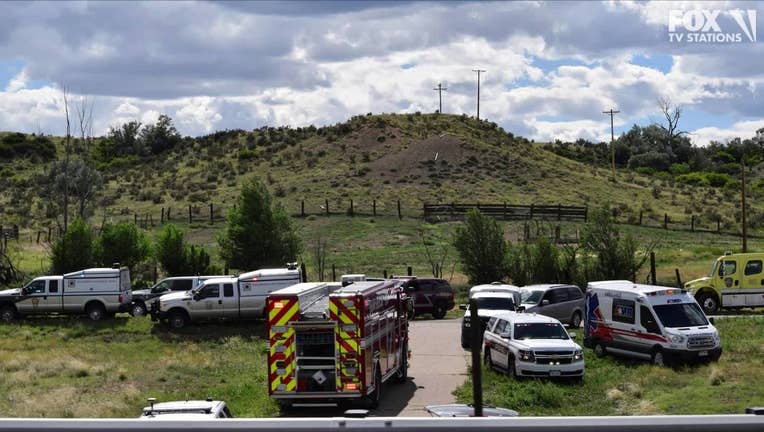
(552, 68)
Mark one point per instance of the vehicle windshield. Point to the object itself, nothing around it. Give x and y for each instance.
(680, 315)
(540, 331)
(502, 303)
(531, 297)
(713, 268)
(160, 287)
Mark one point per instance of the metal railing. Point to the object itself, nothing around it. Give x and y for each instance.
(694, 423)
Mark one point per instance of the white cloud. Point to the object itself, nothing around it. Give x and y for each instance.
(743, 129)
(18, 82)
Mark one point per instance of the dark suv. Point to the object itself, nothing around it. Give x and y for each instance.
(431, 296)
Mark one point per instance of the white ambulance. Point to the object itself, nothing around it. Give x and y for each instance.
(658, 323)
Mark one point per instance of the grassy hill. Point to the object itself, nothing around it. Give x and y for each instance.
(408, 157)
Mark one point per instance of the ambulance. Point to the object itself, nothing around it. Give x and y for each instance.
(661, 324)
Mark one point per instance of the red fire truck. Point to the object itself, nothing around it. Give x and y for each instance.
(329, 343)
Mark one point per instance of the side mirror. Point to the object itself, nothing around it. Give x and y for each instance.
(24, 291)
(520, 309)
(463, 306)
(197, 296)
(544, 302)
(505, 335)
(572, 335)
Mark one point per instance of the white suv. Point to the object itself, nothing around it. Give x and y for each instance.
(533, 345)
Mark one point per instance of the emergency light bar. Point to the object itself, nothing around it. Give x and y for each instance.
(667, 292)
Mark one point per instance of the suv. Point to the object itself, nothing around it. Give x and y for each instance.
(489, 303)
(186, 410)
(534, 345)
(180, 283)
(563, 302)
(431, 296)
(735, 281)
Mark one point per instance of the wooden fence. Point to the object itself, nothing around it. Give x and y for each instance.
(508, 211)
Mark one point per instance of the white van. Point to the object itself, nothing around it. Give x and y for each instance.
(658, 323)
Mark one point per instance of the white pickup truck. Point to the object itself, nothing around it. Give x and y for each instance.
(227, 298)
(96, 292)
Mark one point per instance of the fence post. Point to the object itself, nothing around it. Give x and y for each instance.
(718, 225)
(326, 202)
(678, 279)
(409, 271)
(351, 207)
(665, 220)
(135, 218)
(399, 210)
(38, 236)
(212, 213)
(190, 218)
(504, 213)
(161, 218)
(692, 223)
(640, 218)
(49, 229)
(557, 234)
(304, 273)
(384, 274)
(559, 211)
(302, 208)
(374, 208)
(652, 268)
(334, 273)
(168, 213)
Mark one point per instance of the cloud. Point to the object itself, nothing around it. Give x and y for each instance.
(744, 129)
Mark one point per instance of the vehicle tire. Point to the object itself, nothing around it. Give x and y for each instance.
(7, 314)
(511, 369)
(465, 344)
(575, 320)
(659, 358)
(709, 302)
(403, 370)
(439, 310)
(375, 396)
(95, 311)
(177, 319)
(599, 349)
(138, 310)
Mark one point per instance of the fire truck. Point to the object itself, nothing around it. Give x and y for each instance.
(329, 343)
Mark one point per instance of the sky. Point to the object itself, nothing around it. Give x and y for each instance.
(551, 67)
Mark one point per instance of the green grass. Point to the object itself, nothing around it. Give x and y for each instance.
(620, 386)
(70, 367)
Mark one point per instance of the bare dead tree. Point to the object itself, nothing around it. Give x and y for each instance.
(85, 119)
(67, 151)
(436, 262)
(672, 113)
(319, 255)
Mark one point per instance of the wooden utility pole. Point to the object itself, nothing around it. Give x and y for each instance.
(744, 210)
(612, 113)
(478, 90)
(440, 89)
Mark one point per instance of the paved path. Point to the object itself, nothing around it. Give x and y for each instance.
(438, 366)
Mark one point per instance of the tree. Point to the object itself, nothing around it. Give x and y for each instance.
(617, 256)
(170, 250)
(481, 247)
(74, 249)
(121, 243)
(258, 232)
(74, 177)
(178, 258)
(120, 141)
(160, 136)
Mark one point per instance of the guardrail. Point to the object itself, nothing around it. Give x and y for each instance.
(694, 423)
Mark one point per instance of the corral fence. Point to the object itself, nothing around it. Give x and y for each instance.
(694, 423)
(506, 211)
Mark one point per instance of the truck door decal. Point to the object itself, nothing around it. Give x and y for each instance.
(281, 344)
(345, 313)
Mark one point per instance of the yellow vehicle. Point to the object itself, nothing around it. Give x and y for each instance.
(735, 281)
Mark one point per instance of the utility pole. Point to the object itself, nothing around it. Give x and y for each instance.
(478, 90)
(744, 210)
(612, 113)
(440, 89)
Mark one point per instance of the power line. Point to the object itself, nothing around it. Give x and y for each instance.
(478, 90)
(440, 89)
(612, 113)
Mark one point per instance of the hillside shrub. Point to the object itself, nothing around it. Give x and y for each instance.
(481, 248)
(679, 168)
(121, 243)
(74, 250)
(693, 178)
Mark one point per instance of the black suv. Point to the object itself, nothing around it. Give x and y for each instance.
(430, 295)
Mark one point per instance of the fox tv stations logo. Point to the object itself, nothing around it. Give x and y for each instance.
(708, 26)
